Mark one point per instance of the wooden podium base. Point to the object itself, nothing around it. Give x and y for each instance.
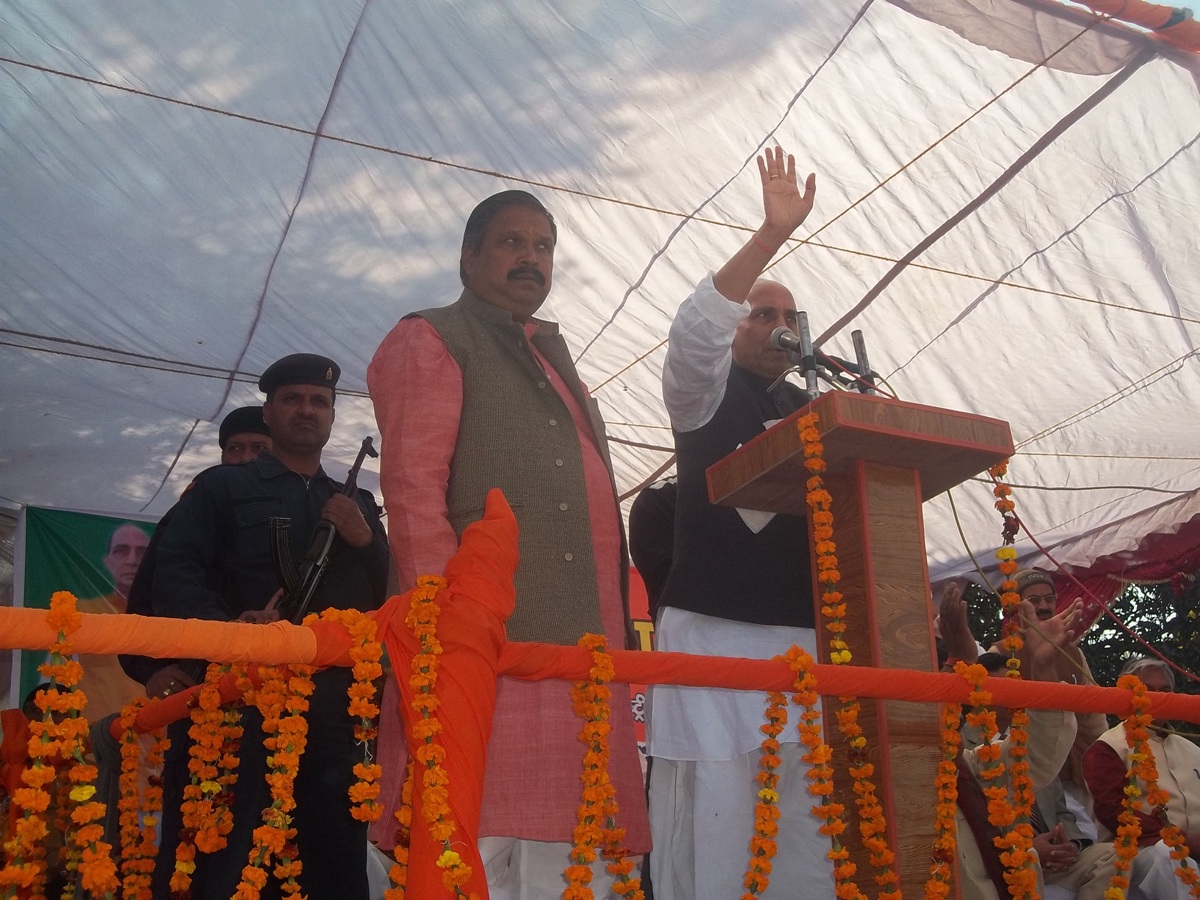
(884, 458)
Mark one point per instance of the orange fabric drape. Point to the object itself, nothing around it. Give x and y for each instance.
(328, 644)
(470, 628)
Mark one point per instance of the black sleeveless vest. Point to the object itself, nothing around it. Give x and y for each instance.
(720, 567)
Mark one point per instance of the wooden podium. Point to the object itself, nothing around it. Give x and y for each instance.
(884, 458)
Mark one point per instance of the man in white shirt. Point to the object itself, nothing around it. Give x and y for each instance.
(739, 584)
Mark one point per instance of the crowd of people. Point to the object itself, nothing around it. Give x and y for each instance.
(483, 393)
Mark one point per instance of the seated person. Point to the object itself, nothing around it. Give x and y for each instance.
(1106, 766)
(1037, 587)
(1066, 858)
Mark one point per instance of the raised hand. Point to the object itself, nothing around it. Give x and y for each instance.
(784, 207)
(1046, 639)
(953, 625)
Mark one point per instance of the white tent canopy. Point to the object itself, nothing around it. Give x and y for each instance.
(191, 191)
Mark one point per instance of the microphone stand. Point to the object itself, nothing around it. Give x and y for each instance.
(808, 361)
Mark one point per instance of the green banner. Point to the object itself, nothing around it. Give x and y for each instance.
(95, 558)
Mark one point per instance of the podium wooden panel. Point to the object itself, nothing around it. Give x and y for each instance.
(884, 458)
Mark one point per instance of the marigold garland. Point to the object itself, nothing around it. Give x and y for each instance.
(766, 811)
(139, 815)
(52, 740)
(365, 652)
(212, 764)
(282, 698)
(1010, 600)
(596, 824)
(945, 842)
(1016, 843)
(421, 620)
(1143, 781)
(820, 774)
(398, 873)
(1015, 839)
(872, 822)
(87, 852)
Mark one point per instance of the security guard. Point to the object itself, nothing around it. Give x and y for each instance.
(242, 436)
(214, 562)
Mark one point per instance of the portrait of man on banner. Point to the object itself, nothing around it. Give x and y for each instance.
(94, 557)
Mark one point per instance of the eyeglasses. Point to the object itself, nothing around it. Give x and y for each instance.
(1040, 598)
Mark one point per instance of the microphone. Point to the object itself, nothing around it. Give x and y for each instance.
(833, 369)
(785, 339)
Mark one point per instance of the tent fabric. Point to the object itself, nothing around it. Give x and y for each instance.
(191, 192)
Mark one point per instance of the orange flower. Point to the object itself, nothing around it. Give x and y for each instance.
(421, 620)
(282, 698)
(365, 651)
(871, 818)
(595, 830)
(766, 811)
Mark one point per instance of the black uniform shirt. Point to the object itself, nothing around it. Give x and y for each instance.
(213, 558)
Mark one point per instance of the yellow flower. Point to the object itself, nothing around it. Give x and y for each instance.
(82, 793)
(449, 860)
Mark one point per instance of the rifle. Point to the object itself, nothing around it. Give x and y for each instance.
(300, 584)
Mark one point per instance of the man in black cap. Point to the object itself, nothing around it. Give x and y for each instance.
(481, 394)
(214, 562)
(243, 436)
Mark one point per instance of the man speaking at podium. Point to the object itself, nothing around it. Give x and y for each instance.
(740, 581)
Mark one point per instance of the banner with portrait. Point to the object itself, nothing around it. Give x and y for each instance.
(95, 557)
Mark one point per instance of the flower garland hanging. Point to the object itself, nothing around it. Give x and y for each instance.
(282, 698)
(766, 811)
(945, 842)
(1015, 838)
(138, 816)
(820, 774)
(1143, 781)
(212, 764)
(595, 829)
(1017, 843)
(60, 728)
(365, 652)
(421, 620)
(1010, 600)
(398, 873)
(872, 822)
(62, 733)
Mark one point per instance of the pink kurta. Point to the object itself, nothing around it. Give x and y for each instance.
(534, 755)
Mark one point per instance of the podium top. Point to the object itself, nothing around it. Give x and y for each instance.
(943, 446)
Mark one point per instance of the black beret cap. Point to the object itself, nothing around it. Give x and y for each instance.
(300, 368)
(243, 420)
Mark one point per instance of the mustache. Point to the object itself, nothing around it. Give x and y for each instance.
(522, 271)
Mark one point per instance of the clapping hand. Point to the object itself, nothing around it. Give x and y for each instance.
(1046, 639)
(953, 625)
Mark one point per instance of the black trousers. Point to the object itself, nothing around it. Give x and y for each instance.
(332, 844)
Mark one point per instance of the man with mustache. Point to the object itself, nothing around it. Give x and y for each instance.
(481, 394)
(214, 561)
(1154, 874)
(1036, 586)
